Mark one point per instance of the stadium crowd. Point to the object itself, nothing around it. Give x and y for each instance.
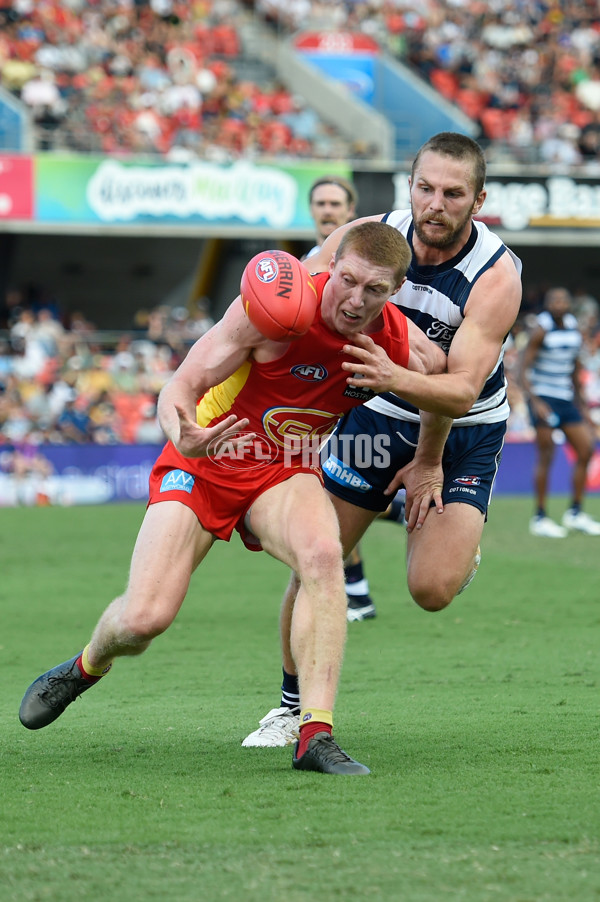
(527, 73)
(62, 385)
(149, 77)
(163, 77)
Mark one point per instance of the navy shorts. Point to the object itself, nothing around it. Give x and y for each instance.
(564, 413)
(367, 448)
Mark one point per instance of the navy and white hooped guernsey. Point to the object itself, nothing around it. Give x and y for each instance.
(434, 297)
(552, 372)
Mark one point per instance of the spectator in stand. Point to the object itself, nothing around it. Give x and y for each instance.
(199, 321)
(49, 332)
(561, 151)
(75, 423)
(586, 310)
(148, 430)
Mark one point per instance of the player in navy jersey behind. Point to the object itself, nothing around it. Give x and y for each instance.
(549, 376)
(463, 289)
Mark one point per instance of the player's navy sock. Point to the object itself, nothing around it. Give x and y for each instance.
(357, 584)
(575, 507)
(354, 572)
(541, 512)
(290, 693)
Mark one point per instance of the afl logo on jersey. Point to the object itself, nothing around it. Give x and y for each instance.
(468, 480)
(266, 269)
(309, 372)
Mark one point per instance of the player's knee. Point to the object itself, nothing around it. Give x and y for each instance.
(432, 595)
(144, 625)
(319, 557)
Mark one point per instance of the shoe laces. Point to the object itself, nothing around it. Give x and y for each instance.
(61, 690)
(324, 746)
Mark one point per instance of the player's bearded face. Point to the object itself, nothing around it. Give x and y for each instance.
(439, 230)
(442, 200)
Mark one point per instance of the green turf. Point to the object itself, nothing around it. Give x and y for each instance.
(480, 724)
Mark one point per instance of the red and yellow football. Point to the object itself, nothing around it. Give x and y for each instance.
(279, 295)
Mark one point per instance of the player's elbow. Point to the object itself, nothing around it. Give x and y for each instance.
(461, 405)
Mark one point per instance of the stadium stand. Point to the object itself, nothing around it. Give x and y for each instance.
(527, 73)
(171, 78)
(152, 77)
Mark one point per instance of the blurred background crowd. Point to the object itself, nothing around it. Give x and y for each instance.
(70, 383)
(171, 78)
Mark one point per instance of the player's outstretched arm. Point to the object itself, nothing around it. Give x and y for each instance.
(211, 360)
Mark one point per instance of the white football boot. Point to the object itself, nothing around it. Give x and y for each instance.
(280, 727)
(546, 528)
(580, 522)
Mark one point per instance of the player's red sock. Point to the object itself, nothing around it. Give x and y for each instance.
(87, 671)
(312, 721)
(307, 733)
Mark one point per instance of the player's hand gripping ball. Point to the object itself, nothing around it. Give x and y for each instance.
(278, 295)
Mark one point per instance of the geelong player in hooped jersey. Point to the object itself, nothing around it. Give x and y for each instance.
(550, 377)
(463, 289)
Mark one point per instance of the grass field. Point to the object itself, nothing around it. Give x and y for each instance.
(480, 725)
